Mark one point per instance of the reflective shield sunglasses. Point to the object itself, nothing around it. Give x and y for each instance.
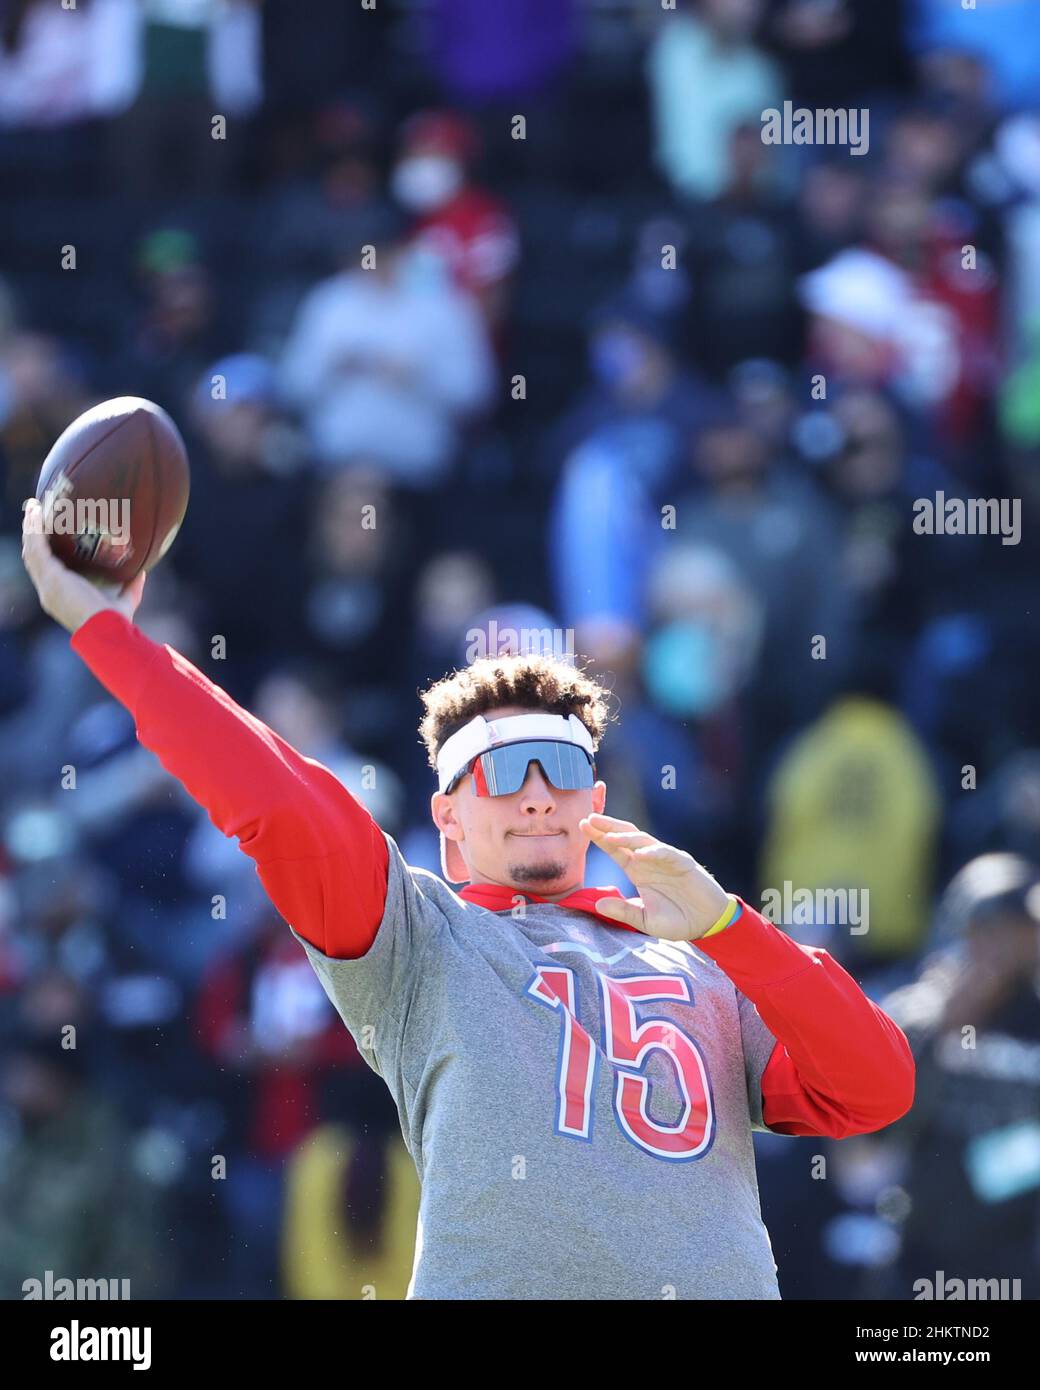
(502, 770)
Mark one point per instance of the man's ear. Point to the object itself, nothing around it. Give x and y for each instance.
(442, 809)
(599, 797)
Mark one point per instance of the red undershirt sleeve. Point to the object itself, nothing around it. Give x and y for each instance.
(841, 1066)
(321, 857)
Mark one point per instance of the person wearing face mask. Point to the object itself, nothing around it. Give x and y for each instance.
(470, 230)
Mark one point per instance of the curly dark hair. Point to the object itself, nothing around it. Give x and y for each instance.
(532, 680)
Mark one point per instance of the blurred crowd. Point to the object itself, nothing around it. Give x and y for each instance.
(485, 316)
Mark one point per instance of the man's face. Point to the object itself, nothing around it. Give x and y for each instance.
(529, 840)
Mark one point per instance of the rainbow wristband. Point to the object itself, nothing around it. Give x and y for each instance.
(733, 910)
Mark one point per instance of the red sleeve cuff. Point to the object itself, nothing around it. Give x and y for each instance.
(752, 950)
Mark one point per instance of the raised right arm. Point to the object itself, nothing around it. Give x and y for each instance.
(321, 857)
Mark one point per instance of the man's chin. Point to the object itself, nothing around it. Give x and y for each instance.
(545, 872)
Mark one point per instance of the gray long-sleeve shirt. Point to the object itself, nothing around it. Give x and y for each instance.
(549, 1169)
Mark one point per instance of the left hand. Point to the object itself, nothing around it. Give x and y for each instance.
(678, 899)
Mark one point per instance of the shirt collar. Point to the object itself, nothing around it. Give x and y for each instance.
(498, 897)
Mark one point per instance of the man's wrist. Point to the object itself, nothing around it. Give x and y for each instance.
(726, 918)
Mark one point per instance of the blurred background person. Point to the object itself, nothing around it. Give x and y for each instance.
(351, 1201)
(389, 361)
(70, 1200)
(707, 76)
(971, 1144)
(469, 228)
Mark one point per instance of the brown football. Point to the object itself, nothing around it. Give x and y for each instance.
(114, 489)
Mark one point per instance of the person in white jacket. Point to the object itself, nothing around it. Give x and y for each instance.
(387, 360)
